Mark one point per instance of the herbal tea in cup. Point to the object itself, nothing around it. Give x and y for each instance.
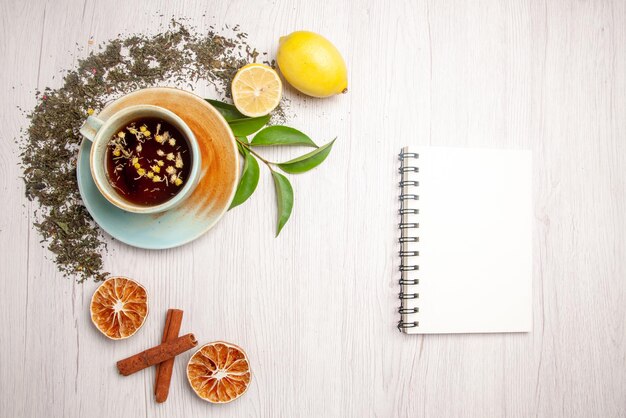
(143, 159)
(148, 161)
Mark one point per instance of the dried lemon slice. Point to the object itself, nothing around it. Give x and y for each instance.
(119, 307)
(219, 372)
(256, 90)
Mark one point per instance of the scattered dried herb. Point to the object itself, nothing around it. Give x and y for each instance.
(179, 56)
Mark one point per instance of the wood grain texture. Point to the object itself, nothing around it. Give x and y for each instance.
(315, 308)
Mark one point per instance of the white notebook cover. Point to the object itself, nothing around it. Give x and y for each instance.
(475, 250)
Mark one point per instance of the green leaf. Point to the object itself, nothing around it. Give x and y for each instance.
(229, 111)
(240, 124)
(307, 161)
(247, 126)
(249, 179)
(281, 135)
(284, 199)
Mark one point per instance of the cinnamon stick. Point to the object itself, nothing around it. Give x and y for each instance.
(156, 355)
(164, 370)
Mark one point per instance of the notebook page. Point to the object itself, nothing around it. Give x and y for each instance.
(475, 261)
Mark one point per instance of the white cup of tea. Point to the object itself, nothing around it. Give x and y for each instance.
(139, 166)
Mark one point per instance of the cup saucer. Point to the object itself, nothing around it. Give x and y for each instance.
(203, 208)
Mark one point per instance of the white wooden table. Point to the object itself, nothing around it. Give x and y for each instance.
(315, 308)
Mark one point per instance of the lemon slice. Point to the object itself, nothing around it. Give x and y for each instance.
(119, 307)
(256, 89)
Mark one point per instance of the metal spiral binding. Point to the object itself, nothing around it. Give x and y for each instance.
(406, 197)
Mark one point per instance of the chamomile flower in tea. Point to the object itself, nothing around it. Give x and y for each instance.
(136, 159)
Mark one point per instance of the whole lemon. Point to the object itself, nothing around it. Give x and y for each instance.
(312, 64)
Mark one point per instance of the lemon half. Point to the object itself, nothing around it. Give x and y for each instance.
(256, 90)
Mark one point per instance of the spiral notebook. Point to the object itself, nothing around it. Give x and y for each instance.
(465, 256)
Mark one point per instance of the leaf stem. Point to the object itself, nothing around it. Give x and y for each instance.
(249, 148)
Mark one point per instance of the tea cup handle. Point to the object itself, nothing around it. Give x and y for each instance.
(91, 127)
